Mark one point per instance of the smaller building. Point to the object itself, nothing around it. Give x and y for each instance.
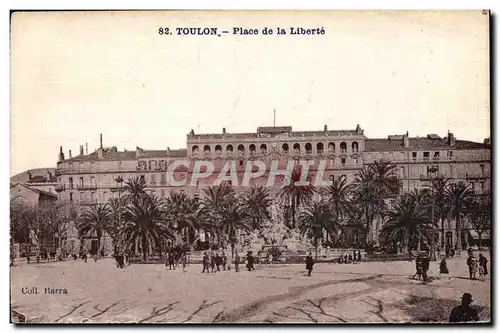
(26, 195)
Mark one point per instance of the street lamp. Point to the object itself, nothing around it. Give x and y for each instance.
(119, 180)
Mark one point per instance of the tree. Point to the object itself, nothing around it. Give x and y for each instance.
(385, 178)
(145, 223)
(95, 222)
(437, 190)
(313, 221)
(256, 203)
(296, 194)
(135, 188)
(215, 207)
(480, 217)
(116, 208)
(183, 213)
(406, 220)
(458, 199)
(234, 219)
(337, 197)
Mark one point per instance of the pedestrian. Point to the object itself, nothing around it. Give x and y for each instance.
(350, 258)
(184, 263)
(309, 264)
(206, 263)
(472, 263)
(224, 261)
(425, 266)
(359, 255)
(443, 269)
(95, 258)
(218, 261)
(171, 261)
(250, 261)
(212, 262)
(355, 256)
(464, 312)
(483, 262)
(237, 263)
(85, 256)
(418, 267)
(119, 260)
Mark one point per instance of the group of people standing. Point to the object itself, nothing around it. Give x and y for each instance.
(422, 263)
(214, 262)
(172, 260)
(345, 258)
(476, 266)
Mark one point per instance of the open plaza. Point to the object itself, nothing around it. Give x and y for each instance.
(366, 292)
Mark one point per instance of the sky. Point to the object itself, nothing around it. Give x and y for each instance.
(75, 75)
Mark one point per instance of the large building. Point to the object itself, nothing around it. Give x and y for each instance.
(92, 178)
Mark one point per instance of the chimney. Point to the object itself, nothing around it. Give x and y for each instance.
(86, 148)
(101, 140)
(326, 128)
(29, 175)
(223, 131)
(81, 150)
(70, 154)
(138, 152)
(61, 154)
(406, 140)
(487, 141)
(451, 139)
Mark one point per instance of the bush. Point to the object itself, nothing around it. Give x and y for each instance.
(275, 252)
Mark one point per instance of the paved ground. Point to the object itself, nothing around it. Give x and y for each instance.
(365, 292)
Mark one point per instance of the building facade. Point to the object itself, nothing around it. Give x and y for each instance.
(92, 178)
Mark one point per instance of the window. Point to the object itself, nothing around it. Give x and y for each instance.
(426, 154)
(153, 179)
(402, 171)
(104, 195)
(331, 178)
(240, 162)
(450, 153)
(436, 154)
(414, 155)
(343, 147)
(332, 161)
(81, 166)
(482, 168)
(71, 197)
(70, 166)
(143, 179)
(355, 147)
(92, 181)
(120, 165)
(451, 170)
(81, 197)
(92, 197)
(71, 183)
(472, 185)
(342, 161)
(81, 181)
(163, 177)
(482, 186)
(355, 160)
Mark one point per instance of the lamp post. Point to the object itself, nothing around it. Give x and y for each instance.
(119, 180)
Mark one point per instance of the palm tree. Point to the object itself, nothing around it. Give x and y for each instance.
(313, 220)
(296, 194)
(95, 222)
(458, 199)
(405, 220)
(183, 214)
(437, 189)
(366, 195)
(215, 207)
(256, 203)
(385, 177)
(135, 188)
(337, 197)
(422, 199)
(235, 219)
(145, 223)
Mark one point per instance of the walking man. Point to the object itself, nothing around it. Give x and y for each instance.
(472, 263)
(250, 260)
(224, 261)
(425, 266)
(237, 262)
(309, 264)
(184, 263)
(206, 263)
(218, 261)
(212, 262)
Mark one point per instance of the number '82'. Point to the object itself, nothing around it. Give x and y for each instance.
(163, 31)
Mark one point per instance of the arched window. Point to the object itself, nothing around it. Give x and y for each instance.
(319, 147)
(355, 147)
(241, 148)
(343, 147)
(195, 149)
(309, 148)
(229, 148)
(296, 148)
(218, 148)
(206, 148)
(263, 148)
(285, 147)
(252, 147)
(331, 147)
(70, 182)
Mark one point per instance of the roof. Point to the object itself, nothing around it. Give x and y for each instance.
(23, 177)
(420, 144)
(36, 190)
(128, 155)
(274, 130)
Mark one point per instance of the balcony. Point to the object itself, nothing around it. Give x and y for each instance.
(477, 176)
(207, 154)
(218, 153)
(252, 153)
(82, 187)
(240, 153)
(321, 152)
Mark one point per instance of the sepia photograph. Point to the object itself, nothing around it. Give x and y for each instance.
(250, 167)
